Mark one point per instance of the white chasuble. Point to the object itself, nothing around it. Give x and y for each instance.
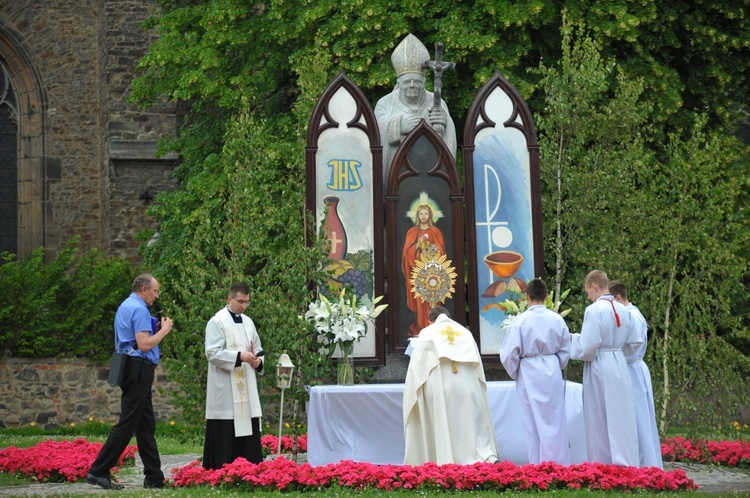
(447, 416)
(232, 391)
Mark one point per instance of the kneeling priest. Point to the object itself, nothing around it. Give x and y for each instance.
(447, 416)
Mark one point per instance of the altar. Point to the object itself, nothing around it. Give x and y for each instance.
(364, 423)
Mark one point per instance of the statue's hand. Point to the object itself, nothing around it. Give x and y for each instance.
(408, 123)
(437, 117)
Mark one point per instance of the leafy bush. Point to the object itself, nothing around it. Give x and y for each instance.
(64, 308)
(237, 223)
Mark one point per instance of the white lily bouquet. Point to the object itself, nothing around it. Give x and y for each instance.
(339, 324)
(513, 308)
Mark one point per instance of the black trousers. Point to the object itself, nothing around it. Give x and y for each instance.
(222, 446)
(136, 418)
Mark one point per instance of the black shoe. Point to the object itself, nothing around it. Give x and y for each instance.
(157, 484)
(103, 482)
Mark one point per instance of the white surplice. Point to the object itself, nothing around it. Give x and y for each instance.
(447, 416)
(649, 447)
(608, 409)
(231, 393)
(534, 351)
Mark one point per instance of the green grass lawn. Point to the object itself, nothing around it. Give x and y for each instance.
(173, 438)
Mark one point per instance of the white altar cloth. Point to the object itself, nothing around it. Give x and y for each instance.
(364, 423)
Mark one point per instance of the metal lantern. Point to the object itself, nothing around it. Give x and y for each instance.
(284, 372)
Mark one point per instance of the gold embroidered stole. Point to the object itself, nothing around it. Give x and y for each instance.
(233, 333)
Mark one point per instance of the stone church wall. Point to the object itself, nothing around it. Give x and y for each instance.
(53, 392)
(99, 152)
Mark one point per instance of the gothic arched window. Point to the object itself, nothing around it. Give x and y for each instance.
(8, 162)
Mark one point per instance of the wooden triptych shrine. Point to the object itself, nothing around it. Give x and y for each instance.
(485, 241)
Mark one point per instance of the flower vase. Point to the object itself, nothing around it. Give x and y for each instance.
(333, 230)
(345, 370)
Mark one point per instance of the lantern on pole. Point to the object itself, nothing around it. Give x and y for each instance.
(284, 372)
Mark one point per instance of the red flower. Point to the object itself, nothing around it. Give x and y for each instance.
(270, 443)
(730, 453)
(282, 474)
(57, 461)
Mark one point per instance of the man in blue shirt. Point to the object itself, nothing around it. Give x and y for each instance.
(138, 335)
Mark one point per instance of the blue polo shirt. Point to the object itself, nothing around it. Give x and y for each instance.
(133, 316)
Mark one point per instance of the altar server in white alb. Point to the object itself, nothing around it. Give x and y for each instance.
(535, 350)
(607, 335)
(447, 416)
(649, 447)
(233, 411)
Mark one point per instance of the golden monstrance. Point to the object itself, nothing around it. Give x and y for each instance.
(433, 278)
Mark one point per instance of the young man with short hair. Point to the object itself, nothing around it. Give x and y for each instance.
(607, 336)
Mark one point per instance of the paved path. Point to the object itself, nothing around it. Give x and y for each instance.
(131, 477)
(710, 479)
(713, 479)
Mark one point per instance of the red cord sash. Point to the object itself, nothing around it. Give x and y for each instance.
(612, 303)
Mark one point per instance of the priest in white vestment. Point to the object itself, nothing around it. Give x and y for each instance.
(447, 416)
(233, 412)
(607, 335)
(534, 351)
(649, 446)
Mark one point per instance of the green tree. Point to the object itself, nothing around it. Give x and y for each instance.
(63, 308)
(685, 53)
(690, 56)
(691, 264)
(591, 141)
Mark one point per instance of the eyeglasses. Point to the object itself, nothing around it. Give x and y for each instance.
(241, 301)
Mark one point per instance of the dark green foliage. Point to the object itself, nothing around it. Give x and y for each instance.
(64, 308)
(689, 56)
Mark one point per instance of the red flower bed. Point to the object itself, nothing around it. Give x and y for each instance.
(270, 444)
(729, 453)
(282, 474)
(57, 461)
